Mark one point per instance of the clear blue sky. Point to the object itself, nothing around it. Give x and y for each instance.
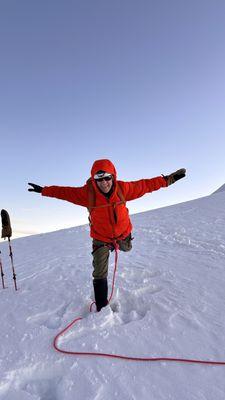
(139, 82)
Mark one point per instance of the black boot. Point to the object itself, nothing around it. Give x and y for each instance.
(101, 292)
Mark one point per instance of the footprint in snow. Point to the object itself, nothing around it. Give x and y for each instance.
(133, 305)
(49, 319)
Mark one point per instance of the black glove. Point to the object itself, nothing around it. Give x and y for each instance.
(175, 176)
(35, 188)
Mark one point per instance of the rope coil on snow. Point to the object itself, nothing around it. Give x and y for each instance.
(118, 356)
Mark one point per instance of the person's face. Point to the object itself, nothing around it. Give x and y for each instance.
(104, 184)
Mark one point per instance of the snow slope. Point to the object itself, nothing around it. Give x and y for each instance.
(169, 301)
(221, 189)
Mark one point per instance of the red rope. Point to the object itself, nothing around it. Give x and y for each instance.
(118, 356)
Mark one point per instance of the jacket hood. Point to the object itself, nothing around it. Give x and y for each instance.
(103, 165)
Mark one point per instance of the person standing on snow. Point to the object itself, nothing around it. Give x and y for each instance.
(105, 197)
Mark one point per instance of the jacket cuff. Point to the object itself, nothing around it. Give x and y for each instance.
(165, 181)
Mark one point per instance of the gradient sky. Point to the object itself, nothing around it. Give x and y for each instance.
(139, 82)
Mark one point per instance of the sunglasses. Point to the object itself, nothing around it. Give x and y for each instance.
(107, 179)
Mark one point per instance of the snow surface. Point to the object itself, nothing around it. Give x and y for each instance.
(169, 301)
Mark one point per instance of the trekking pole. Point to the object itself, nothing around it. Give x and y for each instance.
(2, 273)
(13, 269)
(7, 233)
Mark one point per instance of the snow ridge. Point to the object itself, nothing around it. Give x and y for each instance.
(221, 189)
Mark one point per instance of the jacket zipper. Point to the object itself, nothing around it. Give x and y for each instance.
(110, 218)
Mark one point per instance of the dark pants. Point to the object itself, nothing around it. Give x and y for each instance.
(101, 255)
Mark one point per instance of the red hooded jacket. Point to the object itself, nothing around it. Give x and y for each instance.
(112, 221)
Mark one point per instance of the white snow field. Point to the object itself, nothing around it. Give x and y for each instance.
(169, 302)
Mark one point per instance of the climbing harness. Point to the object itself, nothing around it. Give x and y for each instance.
(119, 356)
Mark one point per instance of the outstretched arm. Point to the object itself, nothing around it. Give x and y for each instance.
(136, 189)
(76, 195)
